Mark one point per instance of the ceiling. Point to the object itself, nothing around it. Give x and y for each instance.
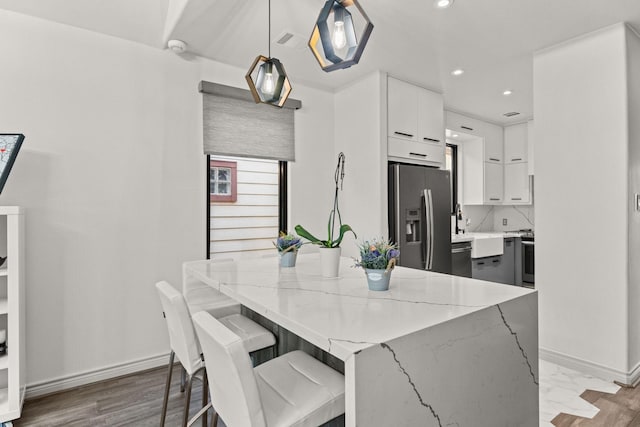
(492, 40)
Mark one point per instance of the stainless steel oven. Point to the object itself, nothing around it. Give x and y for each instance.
(528, 260)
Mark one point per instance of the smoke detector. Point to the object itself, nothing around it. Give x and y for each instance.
(177, 46)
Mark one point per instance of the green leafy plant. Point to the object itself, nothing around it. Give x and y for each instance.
(333, 239)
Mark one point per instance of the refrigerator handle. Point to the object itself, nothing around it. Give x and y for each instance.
(396, 177)
(423, 238)
(428, 208)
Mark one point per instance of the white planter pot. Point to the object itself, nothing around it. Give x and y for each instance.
(330, 261)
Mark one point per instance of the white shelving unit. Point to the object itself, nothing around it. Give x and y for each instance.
(12, 314)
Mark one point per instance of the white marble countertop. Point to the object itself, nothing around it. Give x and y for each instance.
(341, 316)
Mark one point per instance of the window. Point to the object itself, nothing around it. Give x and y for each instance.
(222, 181)
(451, 164)
(247, 205)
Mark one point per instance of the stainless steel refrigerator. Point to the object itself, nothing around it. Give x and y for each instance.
(420, 216)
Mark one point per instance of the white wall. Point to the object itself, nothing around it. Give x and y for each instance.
(580, 108)
(112, 177)
(359, 124)
(633, 71)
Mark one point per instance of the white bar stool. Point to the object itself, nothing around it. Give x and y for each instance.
(185, 344)
(292, 390)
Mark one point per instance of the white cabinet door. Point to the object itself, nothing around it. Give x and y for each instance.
(415, 152)
(515, 143)
(430, 117)
(516, 184)
(530, 143)
(493, 143)
(459, 123)
(402, 110)
(493, 183)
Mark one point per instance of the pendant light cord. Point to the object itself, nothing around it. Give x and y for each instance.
(269, 29)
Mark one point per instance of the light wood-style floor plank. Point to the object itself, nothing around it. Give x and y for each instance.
(134, 400)
(616, 410)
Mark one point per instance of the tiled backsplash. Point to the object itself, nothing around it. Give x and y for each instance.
(490, 218)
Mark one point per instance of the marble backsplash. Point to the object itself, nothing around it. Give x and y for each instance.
(490, 218)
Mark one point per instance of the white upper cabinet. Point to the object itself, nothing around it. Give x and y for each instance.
(493, 183)
(415, 124)
(516, 184)
(430, 117)
(493, 134)
(402, 110)
(482, 181)
(493, 143)
(515, 143)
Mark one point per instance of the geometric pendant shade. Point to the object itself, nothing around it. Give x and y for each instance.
(268, 81)
(333, 41)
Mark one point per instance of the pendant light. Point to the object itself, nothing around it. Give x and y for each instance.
(267, 79)
(333, 40)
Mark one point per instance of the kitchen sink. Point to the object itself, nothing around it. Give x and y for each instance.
(487, 245)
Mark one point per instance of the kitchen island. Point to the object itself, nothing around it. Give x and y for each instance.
(434, 350)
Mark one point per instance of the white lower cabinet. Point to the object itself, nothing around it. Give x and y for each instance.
(516, 184)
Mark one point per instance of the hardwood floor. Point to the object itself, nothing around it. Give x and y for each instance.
(134, 400)
(616, 410)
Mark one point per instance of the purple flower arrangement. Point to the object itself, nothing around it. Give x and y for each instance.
(378, 254)
(287, 242)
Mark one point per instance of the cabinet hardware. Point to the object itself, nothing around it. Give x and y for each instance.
(481, 263)
(494, 160)
(515, 160)
(494, 199)
(404, 134)
(431, 139)
(516, 198)
(495, 261)
(418, 154)
(466, 127)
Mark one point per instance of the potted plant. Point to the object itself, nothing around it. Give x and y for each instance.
(377, 258)
(287, 246)
(330, 248)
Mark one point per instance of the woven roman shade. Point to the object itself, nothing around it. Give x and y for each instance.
(234, 125)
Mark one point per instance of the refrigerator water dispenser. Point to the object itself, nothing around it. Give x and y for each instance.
(412, 218)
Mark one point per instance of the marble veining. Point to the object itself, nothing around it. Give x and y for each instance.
(415, 389)
(515, 336)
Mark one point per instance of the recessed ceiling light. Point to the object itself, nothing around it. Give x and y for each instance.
(507, 92)
(457, 72)
(455, 135)
(443, 4)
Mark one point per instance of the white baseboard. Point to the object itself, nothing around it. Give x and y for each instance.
(587, 367)
(76, 380)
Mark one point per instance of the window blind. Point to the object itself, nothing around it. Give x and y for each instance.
(234, 125)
